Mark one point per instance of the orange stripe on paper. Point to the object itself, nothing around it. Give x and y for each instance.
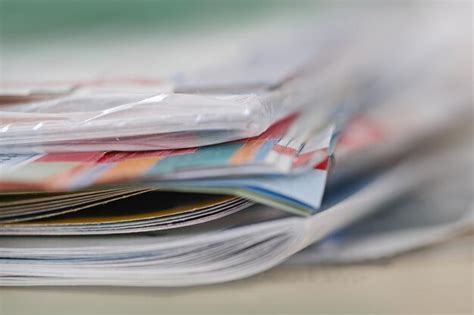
(128, 169)
(247, 152)
(284, 150)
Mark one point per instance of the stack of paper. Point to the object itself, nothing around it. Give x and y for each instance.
(221, 173)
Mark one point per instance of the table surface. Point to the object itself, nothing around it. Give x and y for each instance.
(437, 280)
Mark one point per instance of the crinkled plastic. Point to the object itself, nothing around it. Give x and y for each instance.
(114, 121)
(117, 121)
(97, 120)
(115, 116)
(89, 117)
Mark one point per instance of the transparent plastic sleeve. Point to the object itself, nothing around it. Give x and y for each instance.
(82, 122)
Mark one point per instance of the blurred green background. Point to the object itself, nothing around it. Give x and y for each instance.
(25, 20)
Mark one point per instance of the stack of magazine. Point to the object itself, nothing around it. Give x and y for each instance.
(338, 145)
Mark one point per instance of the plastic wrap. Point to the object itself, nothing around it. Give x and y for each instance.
(161, 121)
(92, 120)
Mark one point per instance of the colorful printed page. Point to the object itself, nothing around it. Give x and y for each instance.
(265, 154)
(301, 194)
